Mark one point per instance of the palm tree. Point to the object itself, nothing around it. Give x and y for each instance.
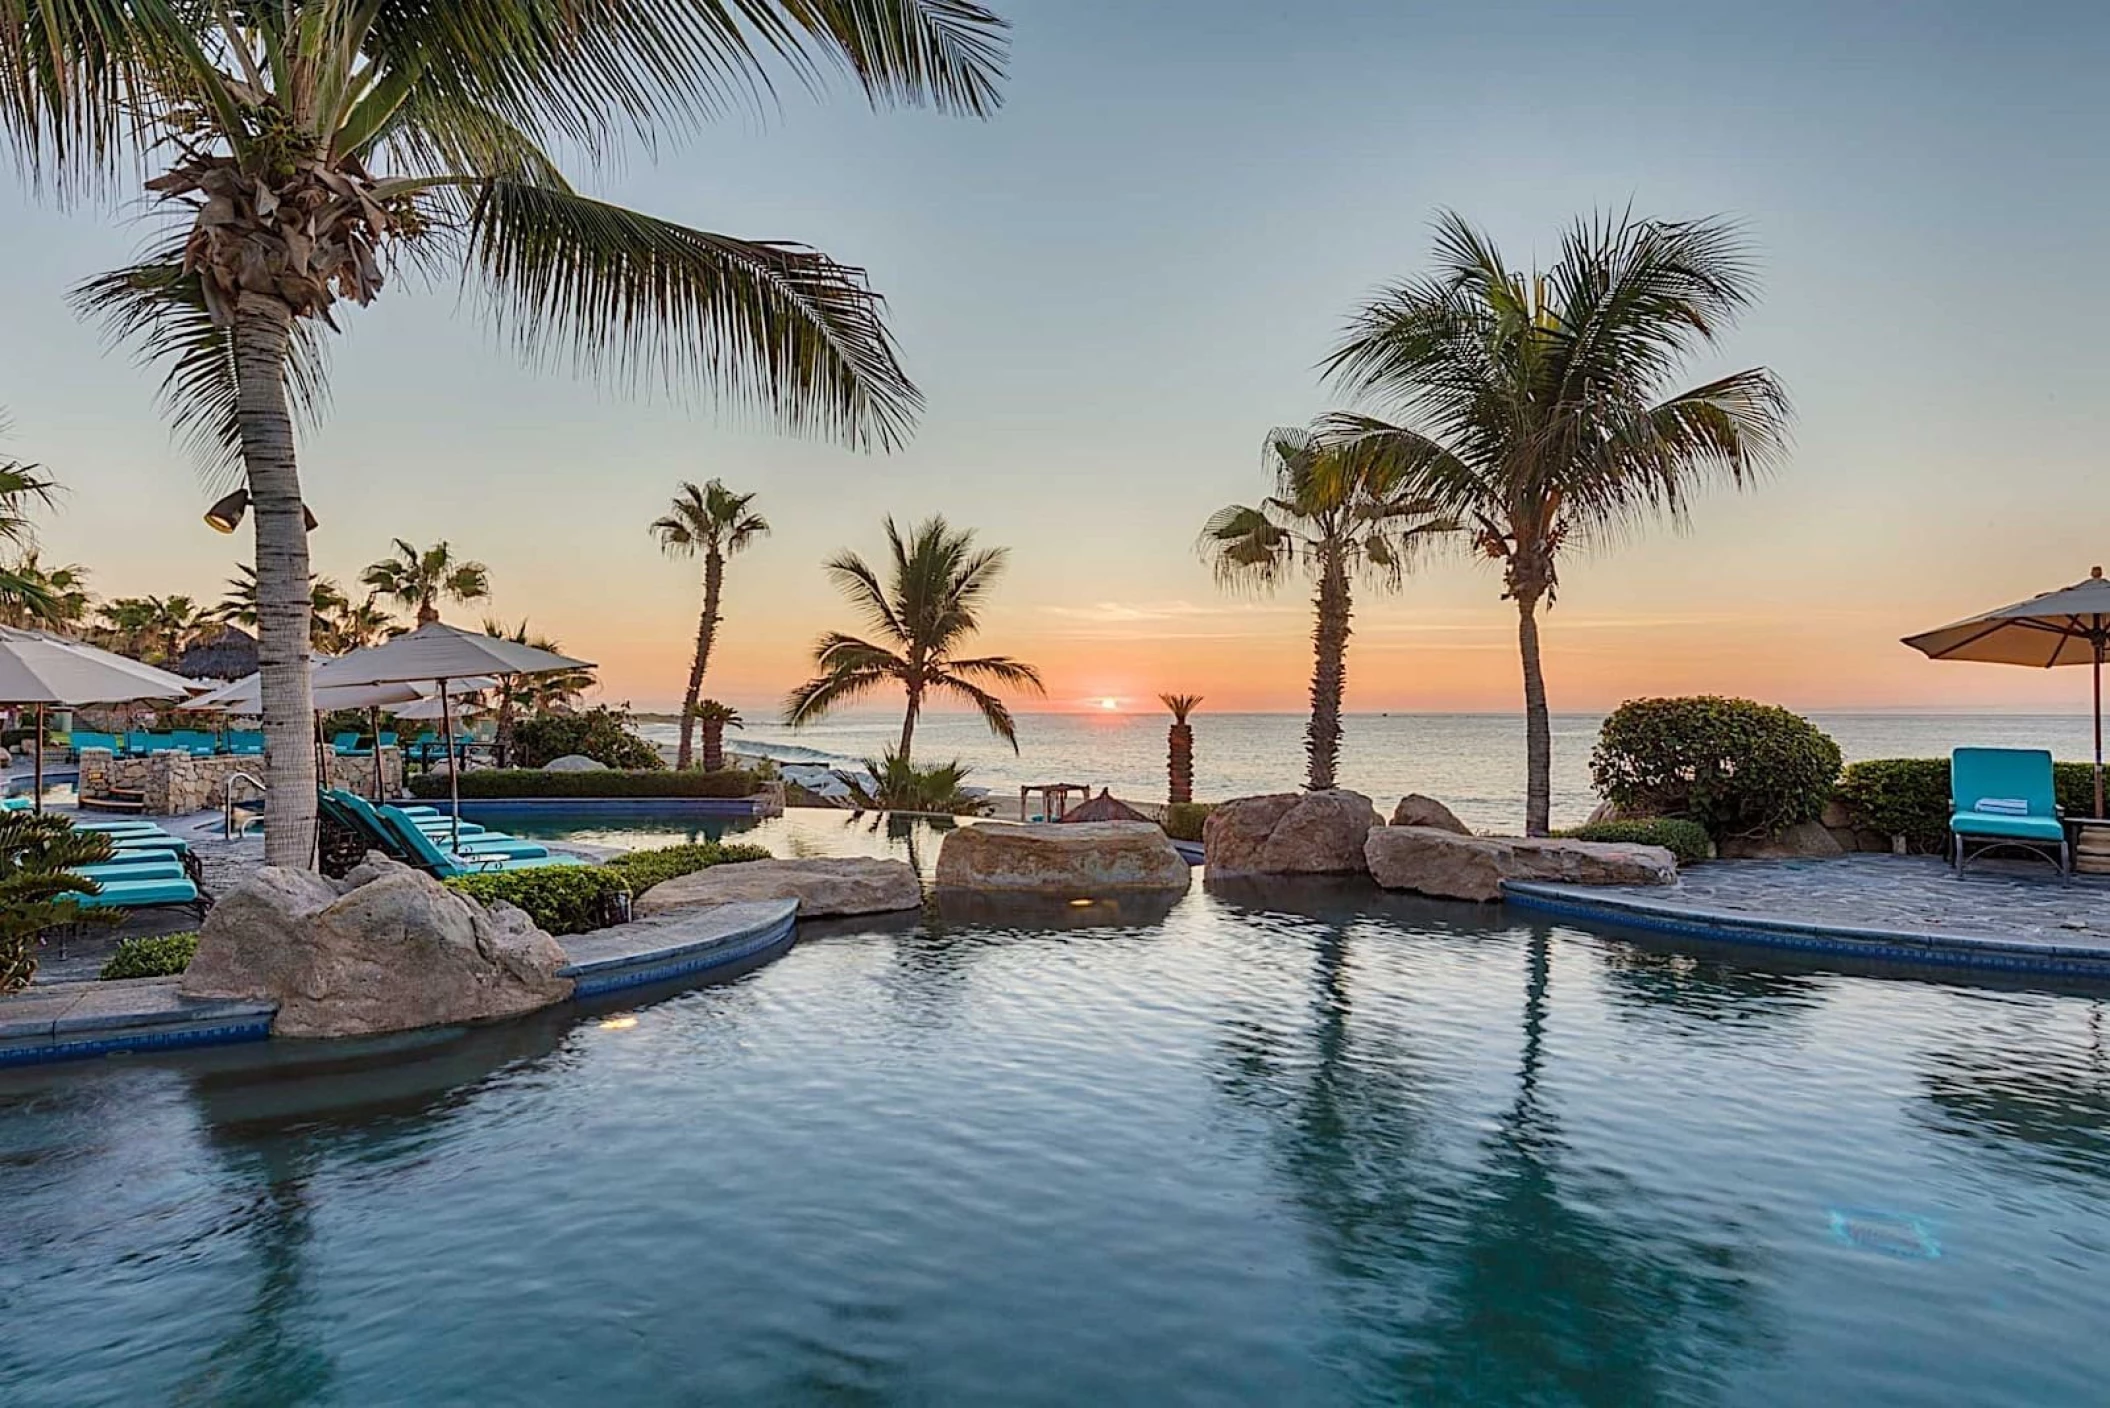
(32, 594)
(306, 148)
(342, 624)
(418, 579)
(22, 595)
(238, 603)
(713, 521)
(1537, 406)
(558, 691)
(1337, 515)
(1179, 747)
(716, 718)
(924, 612)
(156, 629)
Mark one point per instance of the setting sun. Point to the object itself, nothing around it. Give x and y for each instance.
(1109, 703)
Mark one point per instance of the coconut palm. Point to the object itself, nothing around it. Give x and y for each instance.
(1179, 747)
(716, 718)
(715, 522)
(924, 612)
(1537, 406)
(419, 579)
(238, 603)
(1338, 516)
(23, 597)
(342, 625)
(157, 629)
(32, 594)
(306, 148)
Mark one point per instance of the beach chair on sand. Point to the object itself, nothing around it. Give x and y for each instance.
(2004, 799)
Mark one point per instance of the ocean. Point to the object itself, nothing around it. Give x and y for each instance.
(1472, 762)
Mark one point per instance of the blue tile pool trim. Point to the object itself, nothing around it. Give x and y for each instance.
(1917, 948)
(721, 951)
(136, 1019)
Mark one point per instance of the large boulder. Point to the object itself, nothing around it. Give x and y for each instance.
(1290, 833)
(1074, 859)
(1431, 861)
(392, 950)
(823, 887)
(1417, 810)
(1808, 840)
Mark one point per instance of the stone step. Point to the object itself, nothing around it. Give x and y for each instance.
(113, 804)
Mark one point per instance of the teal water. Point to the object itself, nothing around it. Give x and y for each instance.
(1302, 1145)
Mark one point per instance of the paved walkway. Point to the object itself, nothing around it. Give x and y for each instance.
(1909, 908)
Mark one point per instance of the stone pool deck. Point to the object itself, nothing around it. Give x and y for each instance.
(1903, 909)
(72, 1021)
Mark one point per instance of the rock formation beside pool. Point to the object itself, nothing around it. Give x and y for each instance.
(1417, 810)
(823, 887)
(1290, 833)
(387, 949)
(1070, 859)
(1807, 840)
(1432, 861)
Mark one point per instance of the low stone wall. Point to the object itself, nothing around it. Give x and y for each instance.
(177, 784)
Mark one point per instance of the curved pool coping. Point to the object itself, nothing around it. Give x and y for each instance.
(1915, 947)
(80, 1021)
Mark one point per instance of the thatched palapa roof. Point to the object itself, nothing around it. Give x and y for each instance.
(1104, 808)
(230, 655)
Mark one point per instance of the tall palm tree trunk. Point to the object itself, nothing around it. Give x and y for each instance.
(908, 720)
(1538, 727)
(1179, 763)
(706, 635)
(262, 332)
(1329, 675)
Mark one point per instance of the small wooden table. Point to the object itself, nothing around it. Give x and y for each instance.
(2091, 844)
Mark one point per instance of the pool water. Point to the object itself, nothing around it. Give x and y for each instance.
(1305, 1144)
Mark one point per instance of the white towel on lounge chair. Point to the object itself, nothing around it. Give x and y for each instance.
(2001, 806)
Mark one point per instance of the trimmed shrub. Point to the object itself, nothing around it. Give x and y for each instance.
(1736, 767)
(561, 899)
(601, 733)
(644, 869)
(1909, 797)
(160, 956)
(1687, 840)
(1184, 820)
(499, 783)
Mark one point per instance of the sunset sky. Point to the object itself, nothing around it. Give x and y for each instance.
(1113, 289)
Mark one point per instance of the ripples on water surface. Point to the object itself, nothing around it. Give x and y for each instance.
(1269, 1150)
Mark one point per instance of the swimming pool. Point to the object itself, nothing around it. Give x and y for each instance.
(1300, 1144)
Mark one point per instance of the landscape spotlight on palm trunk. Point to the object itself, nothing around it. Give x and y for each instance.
(1536, 406)
(1338, 515)
(714, 523)
(1179, 747)
(922, 613)
(306, 149)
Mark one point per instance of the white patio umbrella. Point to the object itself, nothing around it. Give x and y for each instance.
(2070, 626)
(40, 669)
(444, 655)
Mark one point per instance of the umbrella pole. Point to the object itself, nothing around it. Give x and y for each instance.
(454, 766)
(373, 716)
(2099, 727)
(37, 767)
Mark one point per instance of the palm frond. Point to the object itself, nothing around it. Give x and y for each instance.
(817, 697)
(995, 713)
(774, 326)
(860, 585)
(159, 310)
(1002, 669)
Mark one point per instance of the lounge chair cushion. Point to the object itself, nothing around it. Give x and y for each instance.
(2013, 828)
(141, 894)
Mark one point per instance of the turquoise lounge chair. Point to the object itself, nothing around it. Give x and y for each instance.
(109, 741)
(344, 745)
(2004, 799)
(474, 839)
(16, 804)
(427, 851)
(163, 866)
(144, 894)
(249, 743)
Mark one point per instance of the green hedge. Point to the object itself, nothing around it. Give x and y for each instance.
(644, 869)
(1909, 797)
(501, 783)
(159, 956)
(561, 899)
(1184, 820)
(1687, 840)
(1736, 767)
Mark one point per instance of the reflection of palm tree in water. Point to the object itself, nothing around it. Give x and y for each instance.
(1507, 1286)
(273, 1355)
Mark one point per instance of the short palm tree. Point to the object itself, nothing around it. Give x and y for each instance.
(156, 629)
(305, 148)
(419, 579)
(531, 695)
(716, 523)
(715, 718)
(37, 890)
(342, 625)
(1179, 747)
(1538, 406)
(924, 612)
(22, 595)
(32, 594)
(1337, 516)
